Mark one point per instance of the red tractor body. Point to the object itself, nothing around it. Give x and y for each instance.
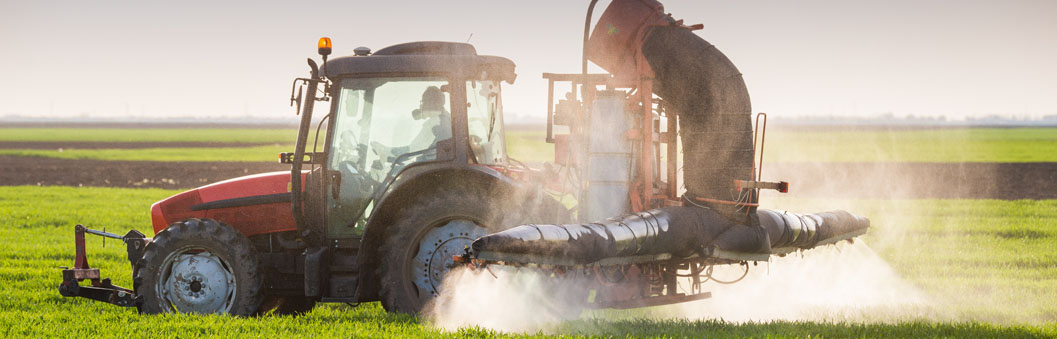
(253, 204)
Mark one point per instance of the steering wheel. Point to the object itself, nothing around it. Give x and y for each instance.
(355, 184)
(374, 146)
(349, 148)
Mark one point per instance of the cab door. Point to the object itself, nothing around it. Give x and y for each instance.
(380, 126)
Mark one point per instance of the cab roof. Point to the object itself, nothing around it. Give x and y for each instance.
(454, 58)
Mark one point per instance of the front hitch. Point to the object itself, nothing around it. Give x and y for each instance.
(100, 289)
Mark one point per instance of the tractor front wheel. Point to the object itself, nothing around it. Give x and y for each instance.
(198, 266)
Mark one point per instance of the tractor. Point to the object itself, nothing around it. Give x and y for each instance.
(407, 168)
(406, 177)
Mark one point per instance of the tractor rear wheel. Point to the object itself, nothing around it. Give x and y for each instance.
(421, 242)
(198, 266)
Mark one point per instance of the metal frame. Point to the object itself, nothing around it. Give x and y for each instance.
(100, 289)
(643, 188)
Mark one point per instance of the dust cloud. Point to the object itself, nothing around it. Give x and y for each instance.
(836, 283)
(844, 282)
(503, 298)
(833, 283)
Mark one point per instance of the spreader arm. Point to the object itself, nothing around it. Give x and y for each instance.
(102, 233)
(100, 289)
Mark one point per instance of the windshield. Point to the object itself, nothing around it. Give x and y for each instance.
(484, 112)
(383, 125)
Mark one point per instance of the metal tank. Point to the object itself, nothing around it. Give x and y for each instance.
(609, 155)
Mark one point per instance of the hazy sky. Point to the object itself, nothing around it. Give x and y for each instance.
(230, 58)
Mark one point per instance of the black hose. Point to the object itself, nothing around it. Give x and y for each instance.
(587, 33)
(707, 91)
(680, 231)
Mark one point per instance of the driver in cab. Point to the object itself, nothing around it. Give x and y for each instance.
(436, 127)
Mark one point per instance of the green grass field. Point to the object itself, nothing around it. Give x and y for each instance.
(267, 153)
(909, 145)
(939, 145)
(990, 260)
(276, 140)
(988, 267)
(247, 135)
(992, 266)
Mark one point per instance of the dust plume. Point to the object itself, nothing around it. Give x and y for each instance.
(846, 282)
(503, 298)
(919, 222)
(832, 283)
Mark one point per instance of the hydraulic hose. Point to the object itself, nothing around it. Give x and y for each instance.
(699, 84)
(587, 34)
(680, 231)
(708, 93)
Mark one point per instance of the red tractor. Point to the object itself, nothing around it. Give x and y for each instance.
(409, 169)
(407, 176)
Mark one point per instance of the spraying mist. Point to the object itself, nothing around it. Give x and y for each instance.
(504, 298)
(846, 282)
(834, 283)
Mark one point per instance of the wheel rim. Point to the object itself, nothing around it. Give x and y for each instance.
(434, 257)
(194, 280)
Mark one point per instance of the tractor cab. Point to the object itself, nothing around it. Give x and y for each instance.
(410, 170)
(401, 106)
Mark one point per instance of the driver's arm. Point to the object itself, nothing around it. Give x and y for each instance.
(386, 152)
(429, 134)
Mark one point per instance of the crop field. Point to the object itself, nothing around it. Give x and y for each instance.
(135, 135)
(1001, 253)
(885, 145)
(171, 144)
(196, 154)
(897, 145)
(915, 145)
(1010, 274)
(982, 267)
